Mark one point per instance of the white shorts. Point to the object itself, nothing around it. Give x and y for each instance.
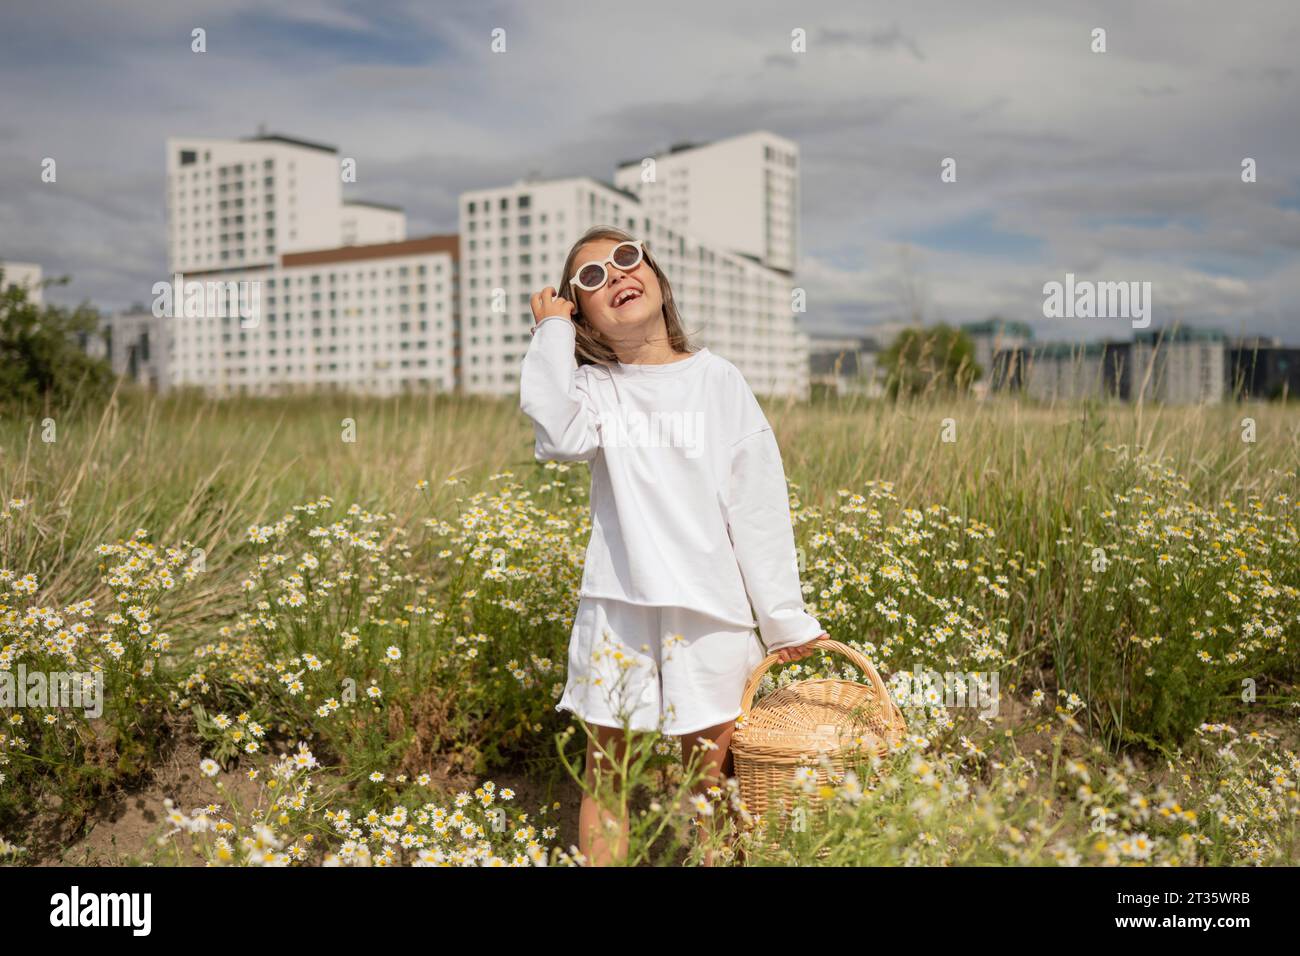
(668, 669)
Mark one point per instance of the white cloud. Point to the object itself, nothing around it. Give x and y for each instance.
(1123, 163)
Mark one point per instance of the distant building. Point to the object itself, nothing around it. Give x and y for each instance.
(25, 275)
(514, 240)
(1008, 372)
(740, 194)
(376, 319)
(1183, 365)
(371, 223)
(135, 343)
(1067, 371)
(1262, 368)
(348, 302)
(845, 366)
(990, 337)
(241, 203)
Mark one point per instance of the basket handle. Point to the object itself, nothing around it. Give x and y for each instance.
(859, 661)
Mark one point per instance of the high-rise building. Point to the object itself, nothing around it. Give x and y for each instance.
(343, 299)
(346, 301)
(514, 240)
(235, 204)
(740, 194)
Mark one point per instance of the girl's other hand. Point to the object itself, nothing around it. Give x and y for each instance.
(799, 651)
(548, 303)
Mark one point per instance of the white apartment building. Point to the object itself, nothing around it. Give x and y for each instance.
(25, 275)
(344, 300)
(1063, 372)
(740, 194)
(1179, 366)
(233, 204)
(347, 302)
(377, 319)
(514, 241)
(367, 223)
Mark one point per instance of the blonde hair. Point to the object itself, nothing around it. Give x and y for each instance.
(588, 347)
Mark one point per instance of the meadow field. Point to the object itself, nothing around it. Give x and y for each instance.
(333, 630)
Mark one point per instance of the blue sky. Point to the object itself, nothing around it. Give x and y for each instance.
(1123, 165)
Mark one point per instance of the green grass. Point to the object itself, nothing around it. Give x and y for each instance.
(1134, 566)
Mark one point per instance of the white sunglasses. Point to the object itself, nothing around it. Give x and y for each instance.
(593, 275)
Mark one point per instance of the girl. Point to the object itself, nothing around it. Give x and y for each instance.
(690, 514)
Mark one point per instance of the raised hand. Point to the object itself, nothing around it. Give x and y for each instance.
(548, 302)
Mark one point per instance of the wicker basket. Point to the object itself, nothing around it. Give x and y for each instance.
(792, 727)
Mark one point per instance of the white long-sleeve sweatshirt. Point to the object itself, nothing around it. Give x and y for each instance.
(688, 493)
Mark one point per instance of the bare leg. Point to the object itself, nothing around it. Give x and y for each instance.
(596, 825)
(715, 764)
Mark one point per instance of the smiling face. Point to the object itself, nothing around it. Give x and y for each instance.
(629, 300)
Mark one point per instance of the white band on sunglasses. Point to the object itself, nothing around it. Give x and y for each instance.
(640, 257)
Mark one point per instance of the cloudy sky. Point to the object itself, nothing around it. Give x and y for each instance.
(1116, 166)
